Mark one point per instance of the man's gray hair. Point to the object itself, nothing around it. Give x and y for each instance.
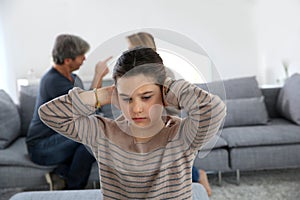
(68, 46)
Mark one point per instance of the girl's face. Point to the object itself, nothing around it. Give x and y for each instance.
(140, 100)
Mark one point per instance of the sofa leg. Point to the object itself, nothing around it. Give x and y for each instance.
(219, 178)
(238, 177)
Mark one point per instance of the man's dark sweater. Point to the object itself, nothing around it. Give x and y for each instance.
(52, 85)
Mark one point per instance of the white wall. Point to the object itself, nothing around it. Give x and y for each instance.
(235, 33)
(278, 33)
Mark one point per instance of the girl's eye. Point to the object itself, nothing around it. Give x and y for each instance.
(146, 97)
(127, 99)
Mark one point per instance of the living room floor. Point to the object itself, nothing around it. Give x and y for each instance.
(258, 185)
(254, 185)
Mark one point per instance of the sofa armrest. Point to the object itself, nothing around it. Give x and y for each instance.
(93, 194)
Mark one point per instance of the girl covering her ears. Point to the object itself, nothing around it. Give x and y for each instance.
(144, 39)
(143, 154)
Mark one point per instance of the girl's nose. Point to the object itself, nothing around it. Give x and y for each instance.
(137, 107)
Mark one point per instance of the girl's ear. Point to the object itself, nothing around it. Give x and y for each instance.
(163, 93)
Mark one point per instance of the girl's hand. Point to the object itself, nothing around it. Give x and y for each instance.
(115, 98)
(109, 95)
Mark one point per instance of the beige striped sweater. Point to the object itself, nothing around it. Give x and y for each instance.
(157, 169)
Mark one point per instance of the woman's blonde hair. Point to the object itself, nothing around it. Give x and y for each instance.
(141, 39)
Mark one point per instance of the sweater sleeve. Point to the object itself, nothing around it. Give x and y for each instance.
(205, 111)
(68, 116)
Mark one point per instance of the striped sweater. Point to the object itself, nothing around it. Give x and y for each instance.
(157, 169)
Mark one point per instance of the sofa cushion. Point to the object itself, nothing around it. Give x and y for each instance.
(17, 155)
(235, 88)
(246, 87)
(27, 102)
(214, 143)
(276, 132)
(216, 160)
(288, 100)
(245, 102)
(9, 120)
(266, 157)
(245, 105)
(247, 111)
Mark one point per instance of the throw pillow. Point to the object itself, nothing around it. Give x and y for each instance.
(245, 102)
(246, 87)
(236, 88)
(246, 111)
(27, 101)
(288, 99)
(9, 120)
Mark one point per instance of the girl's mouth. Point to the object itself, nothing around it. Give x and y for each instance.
(138, 119)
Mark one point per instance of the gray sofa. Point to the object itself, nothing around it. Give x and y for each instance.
(263, 140)
(259, 132)
(16, 169)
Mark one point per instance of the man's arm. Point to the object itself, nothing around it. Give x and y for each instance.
(101, 70)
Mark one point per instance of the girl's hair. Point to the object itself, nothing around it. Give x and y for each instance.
(68, 46)
(140, 60)
(142, 39)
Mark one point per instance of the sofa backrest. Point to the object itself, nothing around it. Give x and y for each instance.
(271, 95)
(27, 98)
